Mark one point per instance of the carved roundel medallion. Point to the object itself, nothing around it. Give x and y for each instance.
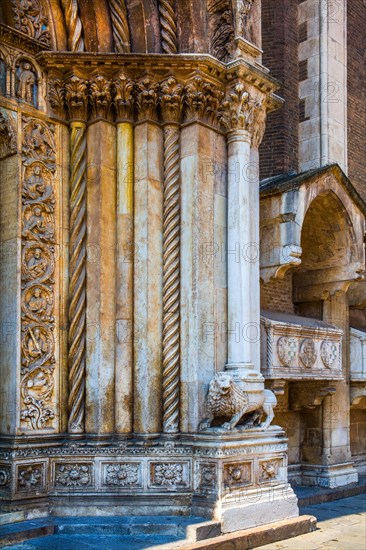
(328, 353)
(307, 352)
(287, 351)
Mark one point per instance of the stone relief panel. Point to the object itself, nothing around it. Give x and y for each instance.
(169, 475)
(237, 474)
(73, 475)
(308, 352)
(38, 270)
(122, 474)
(287, 351)
(31, 20)
(329, 352)
(30, 477)
(207, 477)
(270, 470)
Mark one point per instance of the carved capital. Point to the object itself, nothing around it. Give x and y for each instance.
(76, 95)
(147, 98)
(56, 96)
(236, 109)
(124, 97)
(258, 119)
(203, 100)
(8, 142)
(171, 100)
(100, 97)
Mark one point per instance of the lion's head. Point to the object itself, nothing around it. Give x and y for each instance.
(222, 383)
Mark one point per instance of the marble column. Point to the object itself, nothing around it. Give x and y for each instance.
(124, 276)
(243, 272)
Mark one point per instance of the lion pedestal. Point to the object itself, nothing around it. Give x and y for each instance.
(244, 482)
(241, 478)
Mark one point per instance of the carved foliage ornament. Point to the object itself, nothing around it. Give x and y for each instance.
(31, 20)
(122, 475)
(73, 475)
(38, 267)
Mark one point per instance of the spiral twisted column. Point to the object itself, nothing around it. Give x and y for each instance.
(168, 26)
(73, 25)
(171, 280)
(77, 294)
(121, 34)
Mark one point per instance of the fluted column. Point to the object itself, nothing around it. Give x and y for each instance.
(172, 106)
(125, 257)
(76, 98)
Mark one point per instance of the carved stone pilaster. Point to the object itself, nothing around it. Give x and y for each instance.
(73, 26)
(242, 12)
(168, 24)
(38, 269)
(30, 19)
(100, 97)
(221, 29)
(147, 98)
(121, 33)
(124, 97)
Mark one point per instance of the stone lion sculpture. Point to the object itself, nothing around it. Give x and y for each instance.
(226, 399)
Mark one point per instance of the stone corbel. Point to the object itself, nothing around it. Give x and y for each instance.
(309, 395)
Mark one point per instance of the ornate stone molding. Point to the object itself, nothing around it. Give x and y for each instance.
(16, 39)
(38, 268)
(168, 26)
(8, 142)
(121, 33)
(31, 20)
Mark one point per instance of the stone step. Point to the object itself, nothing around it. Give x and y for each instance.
(317, 495)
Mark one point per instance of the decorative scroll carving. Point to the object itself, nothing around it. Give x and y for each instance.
(26, 86)
(38, 267)
(30, 20)
(73, 25)
(227, 400)
(100, 97)
(124, 99)
(77, 293)
(221, 28)
(308, 352)
(171, 280)
(147, 98)
(8, 142)
(168, 26)
(121, 33)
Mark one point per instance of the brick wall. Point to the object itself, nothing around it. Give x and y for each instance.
(356, 62)
(279, 149)
(276, 295)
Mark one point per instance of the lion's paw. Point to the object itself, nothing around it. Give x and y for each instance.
(226, 426)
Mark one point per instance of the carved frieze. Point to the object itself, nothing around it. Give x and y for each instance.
(38, 269)
(30, 477)
(31, 20)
